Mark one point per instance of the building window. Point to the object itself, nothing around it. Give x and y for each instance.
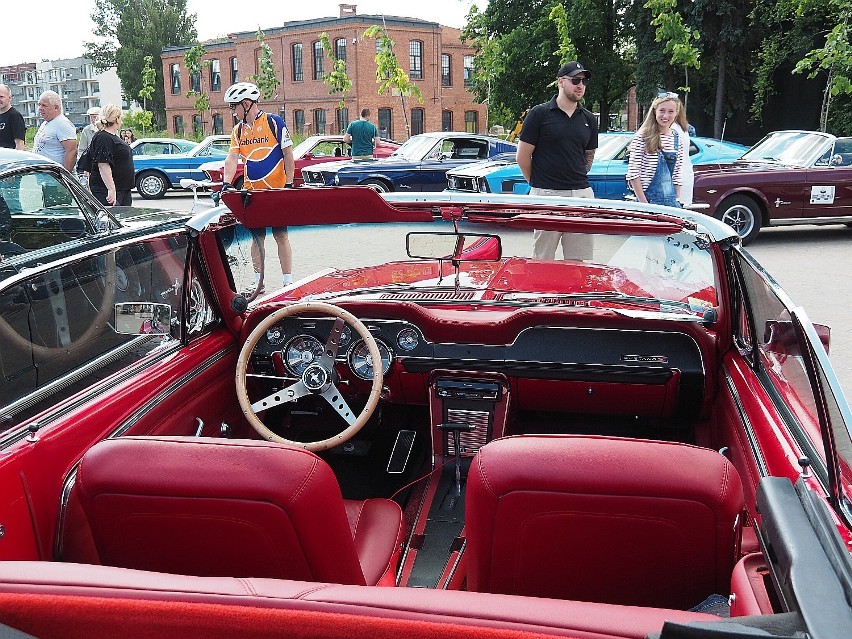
(415, 60)
(319, 61)
(446, 70)
(235, 75)
(468, 70)
(342, 119)
(416, 121)
(471, 122)
(340, 49)
(319, 121)
(298, 69)
(195, 82)
(299, 121)
(385, 124)
(446, 120)
(218, 124)
(175, 79)
(215, 76)
(178, 125)
(197, 125)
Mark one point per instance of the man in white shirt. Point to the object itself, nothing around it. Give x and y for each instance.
(56, 137)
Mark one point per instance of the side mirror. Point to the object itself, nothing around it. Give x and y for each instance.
(142, 318)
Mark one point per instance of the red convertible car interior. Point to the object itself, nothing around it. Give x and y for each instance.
(428, 433)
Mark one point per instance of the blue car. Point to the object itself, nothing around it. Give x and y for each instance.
(156, 174)
(606, 176)
(421, 164)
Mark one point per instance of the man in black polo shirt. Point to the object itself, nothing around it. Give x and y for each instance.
(556, 149)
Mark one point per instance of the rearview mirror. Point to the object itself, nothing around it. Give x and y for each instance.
(142, 318)
(466, 247)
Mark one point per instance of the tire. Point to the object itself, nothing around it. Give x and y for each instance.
(152, 185)
(378, 185)
(742, 214)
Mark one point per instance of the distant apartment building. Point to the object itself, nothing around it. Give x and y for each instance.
(433, 56)
(76, 81)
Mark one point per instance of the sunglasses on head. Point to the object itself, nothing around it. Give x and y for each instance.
(576, 81)
(671, 95)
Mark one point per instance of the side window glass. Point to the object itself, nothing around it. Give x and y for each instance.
(37, 210)
(780, 358)
(57, 333)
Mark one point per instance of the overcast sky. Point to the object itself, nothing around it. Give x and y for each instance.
(62, 26)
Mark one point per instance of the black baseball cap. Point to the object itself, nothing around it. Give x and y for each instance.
(573, 68)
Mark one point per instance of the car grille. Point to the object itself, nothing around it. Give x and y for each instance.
(313, 177)
(462, 183)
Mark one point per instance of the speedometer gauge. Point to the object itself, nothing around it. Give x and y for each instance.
(301, 352)
(361, 362)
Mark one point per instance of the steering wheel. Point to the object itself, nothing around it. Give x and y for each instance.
(318, 378)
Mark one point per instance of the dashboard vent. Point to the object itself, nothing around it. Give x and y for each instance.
(428, 295)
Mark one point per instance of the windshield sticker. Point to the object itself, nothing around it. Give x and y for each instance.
(822, 195)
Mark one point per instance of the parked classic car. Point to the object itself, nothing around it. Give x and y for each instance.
(156, 174)
(420, 164)
(427, 434)
(606, 176)
(315, 149)
(789, 177)
(161, 146)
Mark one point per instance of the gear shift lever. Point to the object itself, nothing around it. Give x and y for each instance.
(455, 428)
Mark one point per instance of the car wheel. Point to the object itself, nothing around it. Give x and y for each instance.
(742, 214)
(152, 185)
(238, 183)
(378, 185)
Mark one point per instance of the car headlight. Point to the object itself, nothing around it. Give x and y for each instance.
(482, 185)
(452, 182)
(336, 180)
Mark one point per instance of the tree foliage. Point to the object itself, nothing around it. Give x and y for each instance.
(266, 79)
(677, 38)
(337, 80)
(126, 31)
(149, 77)
(389, 75)
(195, 65)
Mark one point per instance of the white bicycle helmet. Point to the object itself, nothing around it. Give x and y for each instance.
(242, 91)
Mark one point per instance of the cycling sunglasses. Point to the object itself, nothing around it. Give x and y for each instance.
(669, 95)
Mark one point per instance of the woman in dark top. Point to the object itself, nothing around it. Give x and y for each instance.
(112, 174)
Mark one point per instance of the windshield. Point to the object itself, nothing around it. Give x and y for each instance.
(630, 273)
(791, 148)
(416, 148)
(610, 145)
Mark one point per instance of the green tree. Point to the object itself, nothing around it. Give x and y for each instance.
(488, 64)
(337, 80)
(126, 31)
(149, 77)
(195, 64)
(266, 79)
(389, 75)
(678, 39)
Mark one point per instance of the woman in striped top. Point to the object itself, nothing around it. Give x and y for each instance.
(655, 168)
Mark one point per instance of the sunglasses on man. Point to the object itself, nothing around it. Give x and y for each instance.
(576, 81)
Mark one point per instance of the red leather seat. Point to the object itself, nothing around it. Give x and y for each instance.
(603, 519)
(238, 508)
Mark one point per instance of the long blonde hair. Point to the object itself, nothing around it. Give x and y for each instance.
(650, 130)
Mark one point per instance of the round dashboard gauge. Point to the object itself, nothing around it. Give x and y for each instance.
(275, 335)
(407, 339)
(301, 352)
(345, 336)
(362, 364)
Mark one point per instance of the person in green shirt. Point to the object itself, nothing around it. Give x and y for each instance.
(362, 135)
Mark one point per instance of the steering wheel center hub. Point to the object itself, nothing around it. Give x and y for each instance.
(315, 378)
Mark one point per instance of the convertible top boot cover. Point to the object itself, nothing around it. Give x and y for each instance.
(239, 508)
(606, 519)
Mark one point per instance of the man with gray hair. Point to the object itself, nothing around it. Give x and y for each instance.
(56, 137)
(13, 131)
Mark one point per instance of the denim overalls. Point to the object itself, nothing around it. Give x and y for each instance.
(662, 190)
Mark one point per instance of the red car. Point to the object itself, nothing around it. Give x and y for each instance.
(789, 177)
(426, 434)
(312, 150)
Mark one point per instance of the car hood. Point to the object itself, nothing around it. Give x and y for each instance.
(481, 169)
(738, 167)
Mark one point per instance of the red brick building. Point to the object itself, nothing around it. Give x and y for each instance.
(432, 55)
